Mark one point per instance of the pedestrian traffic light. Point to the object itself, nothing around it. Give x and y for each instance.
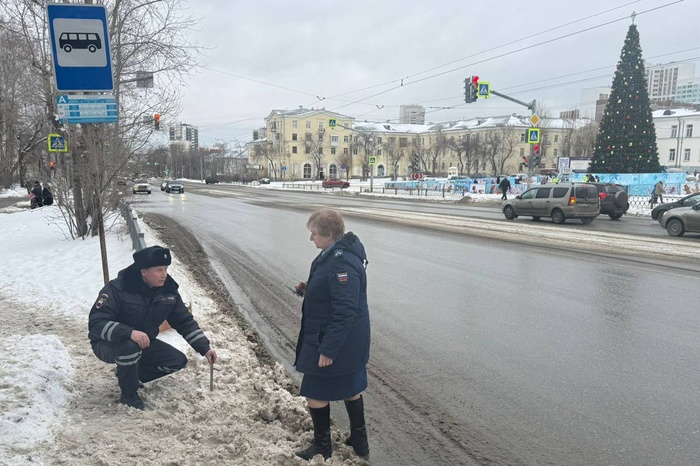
(156, 121)
(52, 165)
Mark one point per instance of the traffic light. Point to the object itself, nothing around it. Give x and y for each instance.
(156, 121)
(52, 165)
(471, 89)
(536, 152)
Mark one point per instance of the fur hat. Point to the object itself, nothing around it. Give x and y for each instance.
(154, 256)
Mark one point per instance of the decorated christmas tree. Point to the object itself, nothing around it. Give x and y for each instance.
(626, 140)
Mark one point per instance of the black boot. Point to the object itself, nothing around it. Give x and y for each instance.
(133, 400)
(321, 445)
(358, 431)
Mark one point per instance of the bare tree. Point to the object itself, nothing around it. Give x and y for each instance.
(438, 147)
(466, 149)
(492, 148)
(313, 145)
(510, 139)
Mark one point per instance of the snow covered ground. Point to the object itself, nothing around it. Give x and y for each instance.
(58, 403)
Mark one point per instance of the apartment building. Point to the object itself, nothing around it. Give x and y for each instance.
(412, 114)
(678, 138)
(186, 135)
(664, 79)
(316, 144)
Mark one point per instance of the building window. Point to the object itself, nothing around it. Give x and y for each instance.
(346, 138)
(556, 151)
(522, 137)
(320, 124)
(333, 171)
(379, 140)
(403, 142)
(522, 152)
(334, 139)
(345, 151)
(307, 171)
(672, 154)
(308, 136)
(294, 123)
(308, 124)
(308, 150)
(332, 150)
(354, 151)
(320, 137)
(294, 149)
(689, 131)
(379, 152)
(294, 136)
(320, 151)
(674, 131)
(556, 139)
(686, 155)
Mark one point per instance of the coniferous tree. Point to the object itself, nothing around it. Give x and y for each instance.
(626, 141)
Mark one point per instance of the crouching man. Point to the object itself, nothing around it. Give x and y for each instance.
(123, 324)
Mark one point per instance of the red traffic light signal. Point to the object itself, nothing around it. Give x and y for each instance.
(536, 148)
(52, 165)
(156, 121)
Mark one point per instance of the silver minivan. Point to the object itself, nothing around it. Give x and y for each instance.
(559, 201)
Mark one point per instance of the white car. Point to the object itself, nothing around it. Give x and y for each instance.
(141, 186)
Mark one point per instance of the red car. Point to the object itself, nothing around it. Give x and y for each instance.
(331, 183)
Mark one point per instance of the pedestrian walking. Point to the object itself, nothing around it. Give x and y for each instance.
(333, 346)
(504, 186)
(123, 324)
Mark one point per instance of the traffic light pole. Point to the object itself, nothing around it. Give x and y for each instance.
(531, 107)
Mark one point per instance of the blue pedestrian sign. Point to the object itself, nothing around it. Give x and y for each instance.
(80, 47)
(533, 135)
(284, 168)
(57, 143)
(87, 109)
(484, 89)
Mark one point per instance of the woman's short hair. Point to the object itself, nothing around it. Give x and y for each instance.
(327, 222)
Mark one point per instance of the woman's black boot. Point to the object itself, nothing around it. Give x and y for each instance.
(358, 431)
(321, 445)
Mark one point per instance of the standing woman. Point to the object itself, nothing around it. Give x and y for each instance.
(333, 345)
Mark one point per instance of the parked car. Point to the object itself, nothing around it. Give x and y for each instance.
(141, 186)
(174, 186)
(211, 180)
(681, 220)
(559, 201)
(614, 200)
(264, 181)
(335, 183)
(686, 201)
(163, 185)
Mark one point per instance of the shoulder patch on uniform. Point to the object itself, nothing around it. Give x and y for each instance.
(338, 252)
(101, 300)
(342, 277)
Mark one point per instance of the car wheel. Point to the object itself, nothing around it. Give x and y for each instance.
(558, 216)
(536, 218)
(509, 212)
(615, 216)
(587, 220)
(675, 227)
(149, 192)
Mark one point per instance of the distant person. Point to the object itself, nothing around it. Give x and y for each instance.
(659, 191)
(504, 186)
(46, 196)
(597, 179)
(123, 324)
(555, 179)
(35, 199)
(333, 345)
(545, 179)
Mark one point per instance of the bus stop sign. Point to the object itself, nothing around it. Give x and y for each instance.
(80, 47)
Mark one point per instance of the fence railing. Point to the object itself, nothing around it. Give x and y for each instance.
(135, 232)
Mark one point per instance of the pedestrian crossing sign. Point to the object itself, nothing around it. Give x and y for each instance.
(372, 160)
(332, 123)
(484, 90)
(57, 143)
(533, 135)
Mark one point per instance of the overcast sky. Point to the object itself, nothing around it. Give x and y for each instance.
(278, 54)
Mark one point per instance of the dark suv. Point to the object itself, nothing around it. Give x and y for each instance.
(614, 200)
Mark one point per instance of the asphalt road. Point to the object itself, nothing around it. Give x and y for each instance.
(484, 351)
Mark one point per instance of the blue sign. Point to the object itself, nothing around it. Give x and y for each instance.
(284, 168)
(80, 47)
(87, 109)
(484, 89)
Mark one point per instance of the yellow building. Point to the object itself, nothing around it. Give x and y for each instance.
(316, 144)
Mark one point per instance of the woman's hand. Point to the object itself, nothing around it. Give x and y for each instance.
(324, 361)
